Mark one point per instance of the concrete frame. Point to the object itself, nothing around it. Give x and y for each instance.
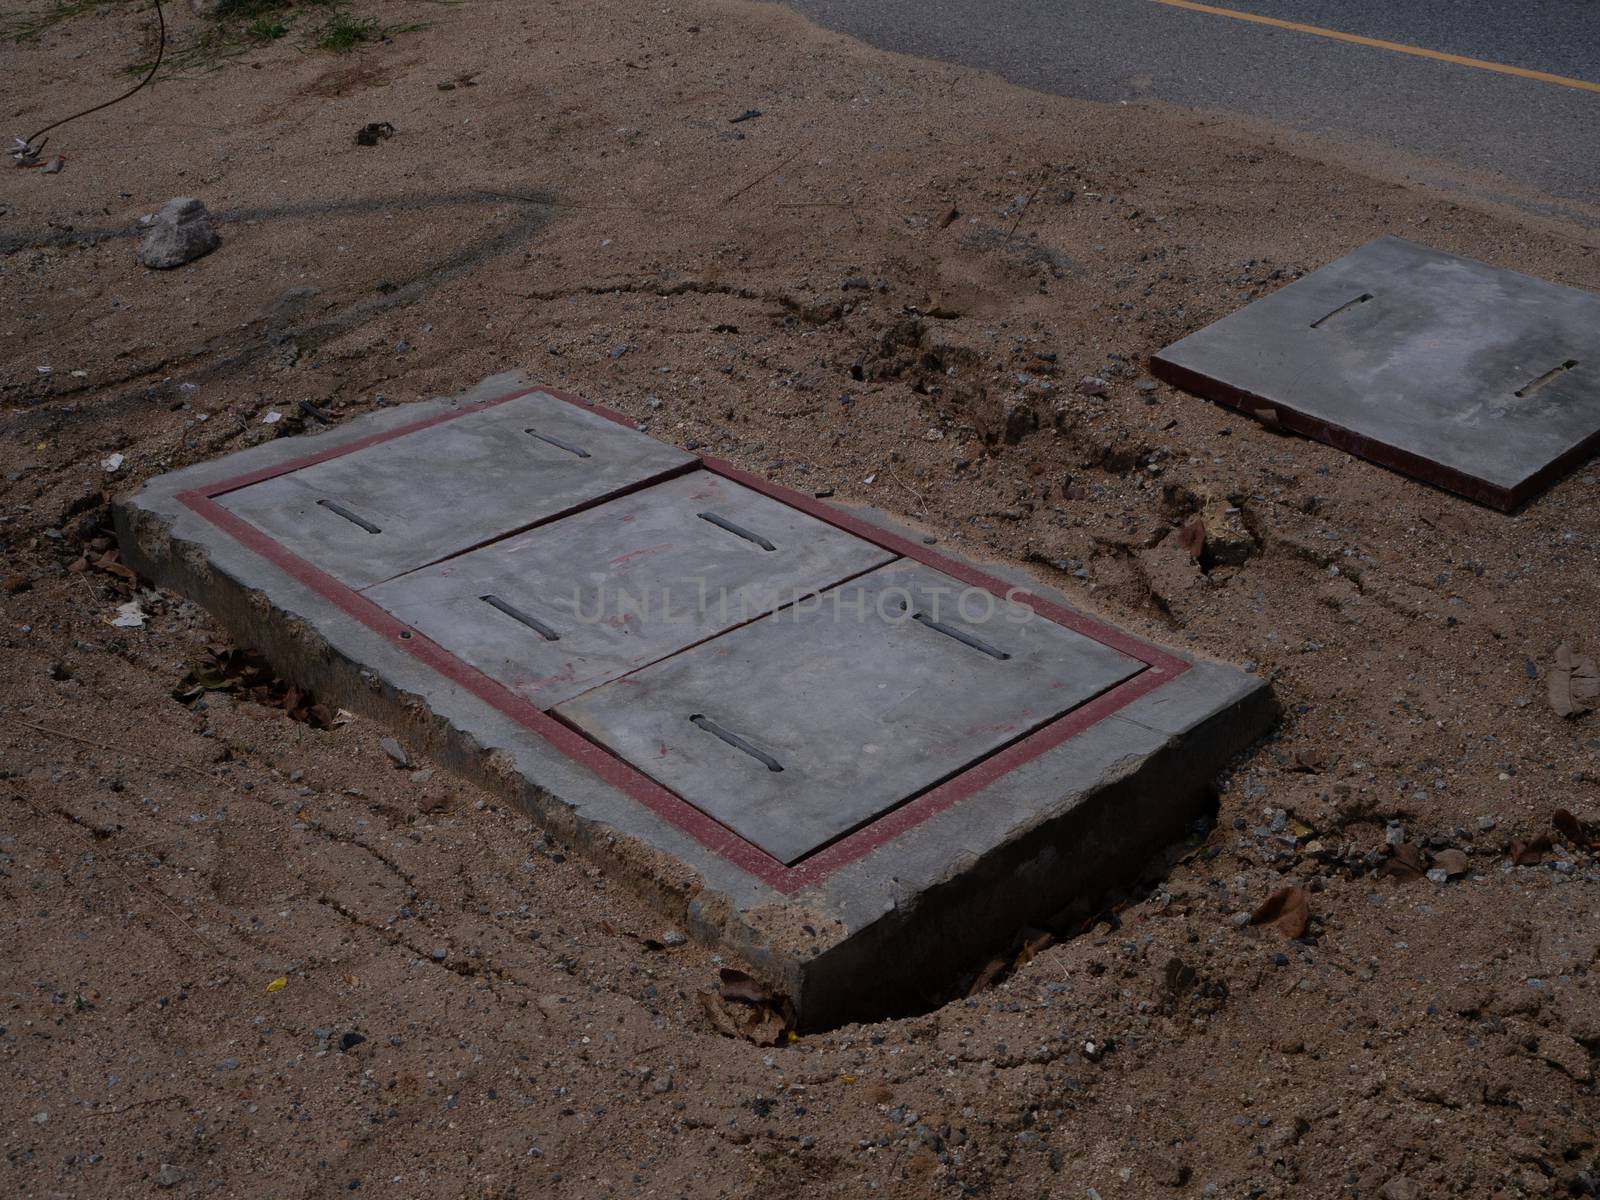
(863, 928)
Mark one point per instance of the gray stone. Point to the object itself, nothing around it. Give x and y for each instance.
(396, 751)
(180, 233)
(170, 1176)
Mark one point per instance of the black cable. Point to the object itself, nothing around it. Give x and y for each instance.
(161, 49)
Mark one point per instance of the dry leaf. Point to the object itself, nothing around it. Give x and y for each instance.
(1405, 863)
(1034, 943)
(248, 674)
(1452, 862)
(1529, 854)
(1309, 760)
(1192, 537)
(989, 976)
(1574, 682)
(744, 1007)
(1288, 910)
(1569, 827)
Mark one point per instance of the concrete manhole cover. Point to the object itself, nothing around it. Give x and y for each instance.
(553, 612)
(399, 503)
(1473, 378)
(857, 762)
(800, 727)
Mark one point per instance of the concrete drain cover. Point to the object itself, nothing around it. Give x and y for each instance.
(858, 763)
(370, 514)
(1476, 379)
(553, 612)
(798, 728)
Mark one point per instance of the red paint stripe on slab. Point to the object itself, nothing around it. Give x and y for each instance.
(1161, 667)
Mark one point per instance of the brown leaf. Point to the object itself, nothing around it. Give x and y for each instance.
(1574, 682)
(111, 563)
(1571, 828)
(736, 985)
(989, 976)
(1192, 537)
(744, 1007)
(1310, 760)
(1034, 943)
(1452, 862)
(1405, 863)
(1288, 910)
(1529, 854)
(11, 585)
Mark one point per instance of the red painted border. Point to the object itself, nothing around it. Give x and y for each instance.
(1161, 667)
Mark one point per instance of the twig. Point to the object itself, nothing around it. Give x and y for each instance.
(132, 882)
(136, 1104)
(29, 149)
(72, 737)
(765, 175)
(1028, 203)
(922, 505)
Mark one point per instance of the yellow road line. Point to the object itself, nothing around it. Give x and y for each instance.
(1380, 44)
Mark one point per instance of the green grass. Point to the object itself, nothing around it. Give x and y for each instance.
(342, 32)
(236, 28)
(20, 28)
(266, 29)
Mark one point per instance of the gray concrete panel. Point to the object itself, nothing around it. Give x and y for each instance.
(399, 504)
(1474, 378)
(796, 729)
(560, 609)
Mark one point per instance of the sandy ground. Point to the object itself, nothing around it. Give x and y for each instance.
(470, 1011)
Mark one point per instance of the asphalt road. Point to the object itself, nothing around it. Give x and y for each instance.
(1531, 133)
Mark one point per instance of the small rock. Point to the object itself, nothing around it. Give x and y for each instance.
(374, 132)
(1021, 419)
(673, 937)
(1093, 385)
(1401, 1188)
(1452, 862)
(170, 1176)
(53, 167)
(395, 751)
(1168, 1172)
(351, 1040)
(422, 776)
(440, 954)
(180, 233)
(13, 584)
